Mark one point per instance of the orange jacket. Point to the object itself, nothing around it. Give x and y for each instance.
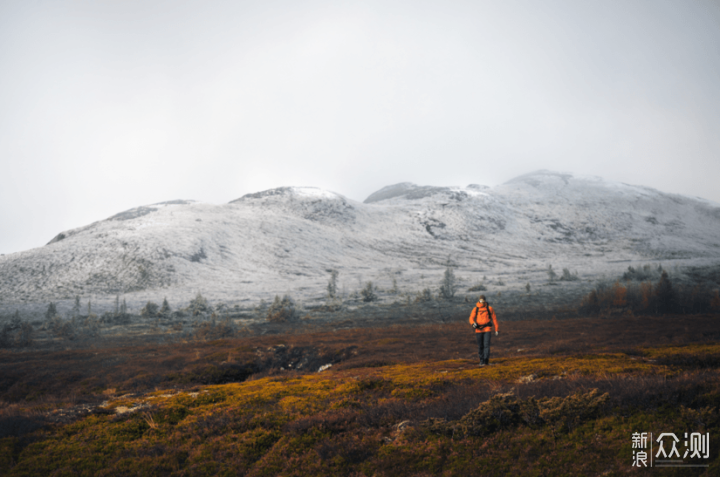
(481, 315)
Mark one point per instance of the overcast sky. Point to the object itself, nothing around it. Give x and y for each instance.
(108, 105)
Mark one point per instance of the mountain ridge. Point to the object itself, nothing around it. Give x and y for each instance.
(287, 239)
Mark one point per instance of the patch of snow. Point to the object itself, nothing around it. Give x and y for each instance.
(314, 192)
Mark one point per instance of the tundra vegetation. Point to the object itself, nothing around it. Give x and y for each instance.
(392, 403)
(561, 397)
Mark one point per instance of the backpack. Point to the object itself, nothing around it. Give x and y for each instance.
(487, 303)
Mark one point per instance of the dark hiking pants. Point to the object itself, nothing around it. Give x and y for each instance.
(483, 341)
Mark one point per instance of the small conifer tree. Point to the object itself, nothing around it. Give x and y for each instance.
(368, 293)
(165, 309)
(199, 305)
(448, 286)
(51, 311)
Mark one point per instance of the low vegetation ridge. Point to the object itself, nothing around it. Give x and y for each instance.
(561, 397)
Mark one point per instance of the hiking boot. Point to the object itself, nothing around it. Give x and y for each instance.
(481, 364)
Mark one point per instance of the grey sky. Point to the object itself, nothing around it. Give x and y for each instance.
(105, 106)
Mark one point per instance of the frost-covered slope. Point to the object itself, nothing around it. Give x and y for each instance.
(287, 239)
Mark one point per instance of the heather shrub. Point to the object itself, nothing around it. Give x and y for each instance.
(505, 411)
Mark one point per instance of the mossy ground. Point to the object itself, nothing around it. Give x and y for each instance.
(407, 417)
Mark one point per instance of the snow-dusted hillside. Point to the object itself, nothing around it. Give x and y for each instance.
(286, 240)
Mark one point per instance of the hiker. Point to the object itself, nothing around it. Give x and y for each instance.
(480, 321)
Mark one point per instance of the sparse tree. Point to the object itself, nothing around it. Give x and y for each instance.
(149, 310)
(123, 308)
(199, 305)
(282, 310)
(15, 321)
(567, 276)
(552, 276)
(5, 336)
(165, 309)
(332, 284)
(51, 311)
(76, 307)
(368, 293)
(527, 287)
(665, 294)
(424, 296)
(62, 328)
(16, 333)
(448, 286)
(715, 301)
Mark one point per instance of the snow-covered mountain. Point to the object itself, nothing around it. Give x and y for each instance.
(288, 239)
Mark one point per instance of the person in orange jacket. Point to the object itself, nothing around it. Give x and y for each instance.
(480, 319)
